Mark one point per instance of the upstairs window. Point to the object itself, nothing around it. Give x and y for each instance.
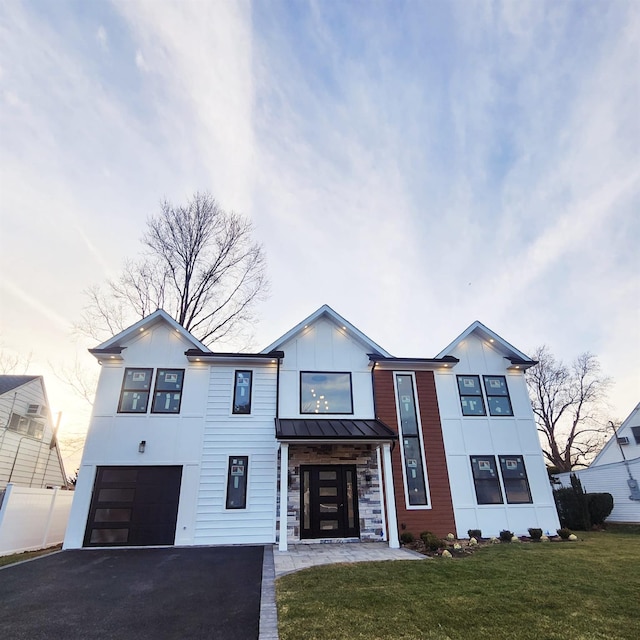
(325, 392)
(471, 396)
(168, 391)
(136, 386)
(497, 396)
(242, 392)
(636, 434)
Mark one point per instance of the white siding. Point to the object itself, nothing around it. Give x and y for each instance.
(465, 436)
(225, 435)
(611, 451)
(171, 439)
(28, 461)
(611, 478)
(323, 346)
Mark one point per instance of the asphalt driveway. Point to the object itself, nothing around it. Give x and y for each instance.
(209, 592)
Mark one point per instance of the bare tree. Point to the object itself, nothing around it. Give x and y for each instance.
(567, 401)
(10, 362)
(83, 382)
(200, 264)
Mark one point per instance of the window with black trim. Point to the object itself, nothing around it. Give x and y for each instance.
(325, 392)
(497, 396)
(237, 482)
(167, 394)
(471, 398)
(514, 478)
(136, 386)
(636, 434)
(412, 449)
(485, 478)
(242, 392)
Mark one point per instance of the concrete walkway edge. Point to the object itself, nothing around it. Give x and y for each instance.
(268, 610)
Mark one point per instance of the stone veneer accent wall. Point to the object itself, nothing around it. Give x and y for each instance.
(364, 457)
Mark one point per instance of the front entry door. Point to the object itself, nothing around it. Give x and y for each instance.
(329, 502)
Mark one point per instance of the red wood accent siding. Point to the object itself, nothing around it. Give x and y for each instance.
(439, 519)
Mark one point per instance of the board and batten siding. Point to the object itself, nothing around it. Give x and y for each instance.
(24, 460)
(465, 436)
(225, 435)
(323, 346)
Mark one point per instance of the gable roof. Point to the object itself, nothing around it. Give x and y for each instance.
(8, 383)
(114, 346)
(518, 359)
(632, 420)
(325, 311)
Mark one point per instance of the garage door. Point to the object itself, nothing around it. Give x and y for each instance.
(133, 506)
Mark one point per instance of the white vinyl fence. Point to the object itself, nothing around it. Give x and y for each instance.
(32, 518)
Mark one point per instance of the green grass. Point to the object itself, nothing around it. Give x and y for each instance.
(588, 589)
(27, 555)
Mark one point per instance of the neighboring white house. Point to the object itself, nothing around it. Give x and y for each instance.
(191, 447)
(29, 453)
(616, 470)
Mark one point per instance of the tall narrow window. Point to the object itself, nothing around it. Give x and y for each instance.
(135, 391)
(242, 392)
(497, 396)
(471, 396)
(485, 478)
(412, 450)
(168, 392)
(237, 482)
(514, 478)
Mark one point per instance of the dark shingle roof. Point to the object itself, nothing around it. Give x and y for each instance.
(7, 383)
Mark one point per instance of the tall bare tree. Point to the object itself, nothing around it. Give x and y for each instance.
(567, 401)
(200, 264)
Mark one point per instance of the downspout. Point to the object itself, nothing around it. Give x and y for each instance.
(278, 390)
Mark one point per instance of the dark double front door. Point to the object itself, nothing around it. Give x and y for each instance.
(329, 502)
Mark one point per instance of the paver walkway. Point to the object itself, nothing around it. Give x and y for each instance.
(302, 556)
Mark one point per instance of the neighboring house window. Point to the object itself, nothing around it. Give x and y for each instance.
(237, 482)
(514, 478)
(636, 434)
(325, 392)
(242, 392)
(412, 448)
(27, 426)
(471, 396)
(485, 478)
(497, 396)
(135, 391)
(167, 394)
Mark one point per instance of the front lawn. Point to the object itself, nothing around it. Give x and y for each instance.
(588, 589)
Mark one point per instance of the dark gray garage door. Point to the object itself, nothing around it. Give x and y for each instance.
(134, 506)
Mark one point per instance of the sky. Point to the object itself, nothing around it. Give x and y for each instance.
(415, 165)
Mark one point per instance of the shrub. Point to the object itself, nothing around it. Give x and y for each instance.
(475, 533)
(572, 506)
(535, 534)
(406, 537)
(505, 535)
(564, 533)
(431, 541)
(600, 506)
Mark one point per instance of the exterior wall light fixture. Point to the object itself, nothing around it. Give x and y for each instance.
(142, 446)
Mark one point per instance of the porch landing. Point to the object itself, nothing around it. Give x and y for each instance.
(302, 556)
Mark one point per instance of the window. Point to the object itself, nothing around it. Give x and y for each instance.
(237, 482)
(136, 385)
(497, 396)
(514, 478)
(242, 392)
(27, 426)
(471, 396)
(412, 449)
(636, 434)
(323, 392)
(168, 391)
(485, 478)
